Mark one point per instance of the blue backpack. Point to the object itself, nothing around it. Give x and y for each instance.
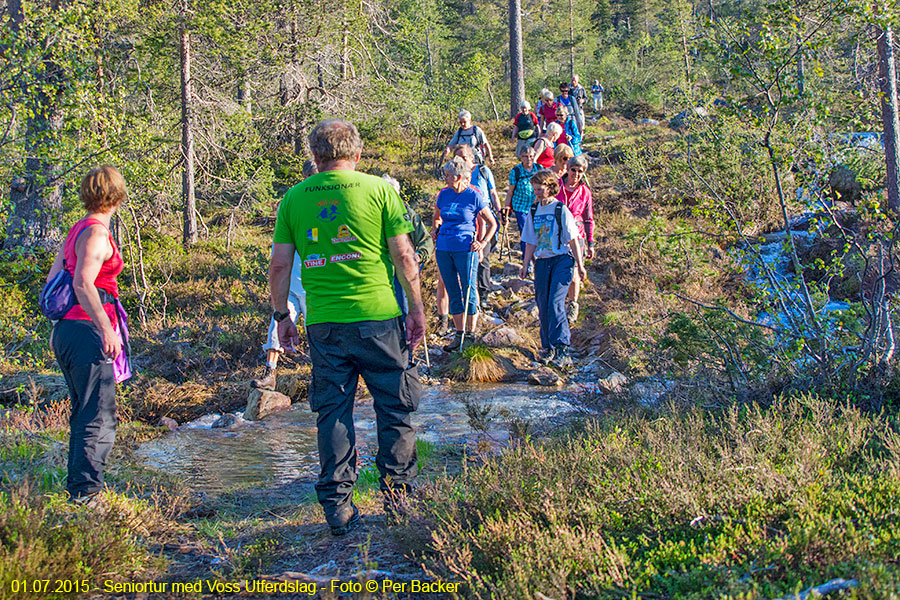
(58, 296)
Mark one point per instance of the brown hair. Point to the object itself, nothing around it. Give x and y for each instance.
(335, 139)
(546, 179)
(102, 189)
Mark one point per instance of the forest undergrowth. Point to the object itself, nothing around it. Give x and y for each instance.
(734, 481)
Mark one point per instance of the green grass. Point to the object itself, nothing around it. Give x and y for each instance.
(367, 478)
(748, 501)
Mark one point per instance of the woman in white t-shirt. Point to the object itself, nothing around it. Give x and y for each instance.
(551, 237)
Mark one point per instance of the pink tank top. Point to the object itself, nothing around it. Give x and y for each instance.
(106, 278)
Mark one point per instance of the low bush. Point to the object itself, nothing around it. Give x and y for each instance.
(758, 501)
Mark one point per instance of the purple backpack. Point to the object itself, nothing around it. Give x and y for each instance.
(58, 297)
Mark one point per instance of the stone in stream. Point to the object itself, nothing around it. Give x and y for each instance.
(614, 383)
(168, 422)
(502, 337)
(263, 403)
(545, 377)
(226, 420)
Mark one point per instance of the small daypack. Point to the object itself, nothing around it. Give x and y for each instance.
(467, 138)
(558, 216)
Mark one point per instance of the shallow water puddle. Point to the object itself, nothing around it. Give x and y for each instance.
(282, 448)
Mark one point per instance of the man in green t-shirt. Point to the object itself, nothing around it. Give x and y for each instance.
(351, 232)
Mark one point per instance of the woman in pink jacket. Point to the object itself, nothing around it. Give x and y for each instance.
(576, 195)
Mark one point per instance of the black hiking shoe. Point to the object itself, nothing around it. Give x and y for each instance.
(266, 382)
(561, 359)
(546, 355)
(456, 344)
(350, 525)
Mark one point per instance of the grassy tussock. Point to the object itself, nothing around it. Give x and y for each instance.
(42, 536)
(750, 501)
(476, 363)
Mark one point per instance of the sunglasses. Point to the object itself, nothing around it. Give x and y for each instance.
(577, 170)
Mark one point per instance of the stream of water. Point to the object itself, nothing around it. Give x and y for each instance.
(282, 448)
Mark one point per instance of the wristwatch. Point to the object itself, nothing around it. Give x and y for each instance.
(280, 316)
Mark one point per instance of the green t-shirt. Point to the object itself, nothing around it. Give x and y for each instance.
(339, 222)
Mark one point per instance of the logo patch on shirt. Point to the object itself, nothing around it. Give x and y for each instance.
(343, 236)
(314, 260)
(313, 234)
(328, 213)
(345, 257)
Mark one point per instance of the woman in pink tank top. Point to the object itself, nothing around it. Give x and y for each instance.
(576, 195)
(86, 340)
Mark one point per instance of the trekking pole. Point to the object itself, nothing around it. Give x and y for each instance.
(466, 298)
(425, 344)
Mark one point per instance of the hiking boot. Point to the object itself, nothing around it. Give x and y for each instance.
(266, 382)
(348, 525)
(546, 355)
(443, 324)
(456, 344)
(572, 312)
(561, 360)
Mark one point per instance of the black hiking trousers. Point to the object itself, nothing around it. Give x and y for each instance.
(340, 353)
(92, 390)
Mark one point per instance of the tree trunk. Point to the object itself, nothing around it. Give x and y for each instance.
(516, 66)
(187, 134)
(571, 38)
(36, 196)
(429, 74)
(888, 79)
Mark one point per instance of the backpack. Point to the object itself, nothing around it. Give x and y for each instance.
(527, 126)
(466, 138)
(58, 296)
(558, 216)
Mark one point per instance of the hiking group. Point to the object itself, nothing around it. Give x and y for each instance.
(346, 255)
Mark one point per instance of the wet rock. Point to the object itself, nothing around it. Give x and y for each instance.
(263, 403)
(512, 268)
(614, 383)
(226, 420)
(516, 284)
(168, 422)
(503, 336)
(545, 377)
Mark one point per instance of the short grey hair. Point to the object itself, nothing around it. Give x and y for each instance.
(464, 114)
(458, 167)
(392, 181)
(335, 139)
(525, 148)
(555, 127)
(525, 105)
(562, 110)
(578, 161)
(546, 94)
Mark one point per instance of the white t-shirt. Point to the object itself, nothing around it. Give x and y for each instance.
(542, 231)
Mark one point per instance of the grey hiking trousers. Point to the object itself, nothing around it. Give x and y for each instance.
(340, 353)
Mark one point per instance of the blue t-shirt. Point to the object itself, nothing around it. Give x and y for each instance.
(483, 181)
(458, 213)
